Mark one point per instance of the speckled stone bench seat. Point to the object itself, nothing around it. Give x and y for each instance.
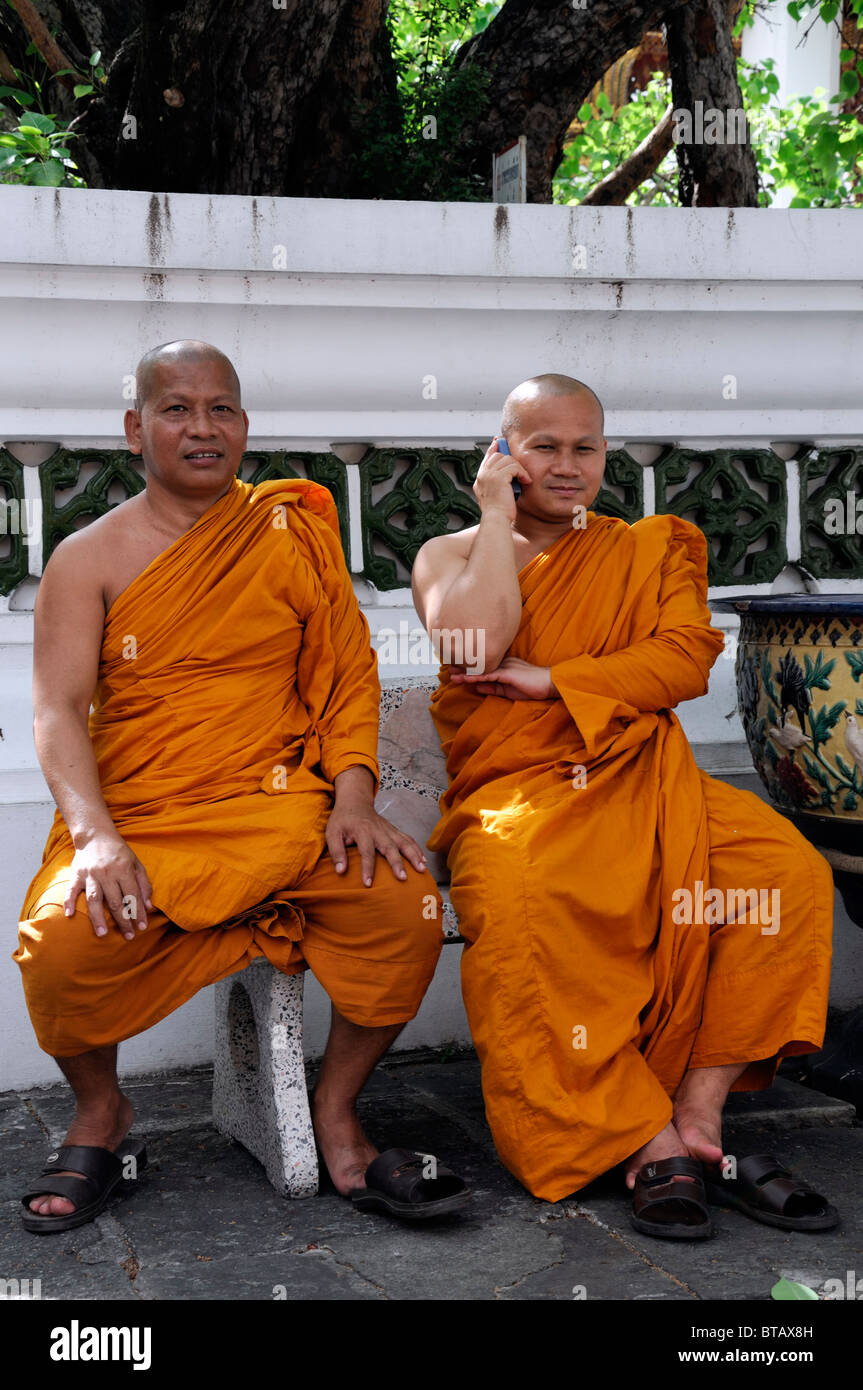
(259, 1083)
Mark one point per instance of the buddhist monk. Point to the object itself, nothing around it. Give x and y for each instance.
(218, 804)
(617, 983)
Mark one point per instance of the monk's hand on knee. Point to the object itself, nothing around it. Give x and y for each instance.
(114, 883)
(372, 835)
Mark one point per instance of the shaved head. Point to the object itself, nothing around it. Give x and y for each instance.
(539, 388)
(184, 352)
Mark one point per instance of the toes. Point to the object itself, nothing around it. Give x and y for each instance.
(52, 1206)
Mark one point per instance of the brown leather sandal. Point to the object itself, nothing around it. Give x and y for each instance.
(669, 1200)
(396, 1183)
(768, 1192)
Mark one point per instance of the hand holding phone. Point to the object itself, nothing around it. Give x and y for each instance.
(503, 448)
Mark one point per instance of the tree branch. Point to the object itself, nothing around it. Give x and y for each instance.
(618, 185)
(7, 72)
(50, 50)
(552, 55)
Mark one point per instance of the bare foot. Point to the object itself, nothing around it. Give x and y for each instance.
(346, 1150)
(666, 1144)
(105, 1129)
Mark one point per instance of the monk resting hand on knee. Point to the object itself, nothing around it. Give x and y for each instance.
(217, 804)
(610, 1024)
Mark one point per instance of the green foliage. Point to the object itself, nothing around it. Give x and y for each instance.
(36, 152)
(802, 148)
(609, 139)
(34, 142)
(407, 142)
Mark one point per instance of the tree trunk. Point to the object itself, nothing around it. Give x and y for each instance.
(253, 100)
(703, 69)
(211, 97)
(543, 57)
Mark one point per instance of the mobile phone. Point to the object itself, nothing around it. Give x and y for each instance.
(503, 448)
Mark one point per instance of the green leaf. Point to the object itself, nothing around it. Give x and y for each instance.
(49, 175)
(82, 89)
(36, 121)
(9, 140)
(94, 57)
(844, 768)
(22, 98)
(850, 83)
(858, 708)
(855, 661)
(825, 720)
(787, 1289)
(850, 802)
(816, 772)
(816, 676)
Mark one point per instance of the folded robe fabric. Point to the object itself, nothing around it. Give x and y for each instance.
(237, 663)
(571, 822)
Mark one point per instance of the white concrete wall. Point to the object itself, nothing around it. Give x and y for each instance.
(374, 300)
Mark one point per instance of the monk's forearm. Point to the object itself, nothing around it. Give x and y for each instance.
(485, 597)
(67, 759)
(354, 787)
(656, 673)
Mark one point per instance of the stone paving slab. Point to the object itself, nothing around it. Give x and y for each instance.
(203, 1223)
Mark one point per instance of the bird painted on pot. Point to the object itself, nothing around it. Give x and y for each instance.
(854, 739)
(793, 690)
(788, 736)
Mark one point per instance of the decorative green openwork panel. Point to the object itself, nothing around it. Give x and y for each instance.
(737, 498)
(622, 493)
(263, 465)
(115, 470)
(831, 485)
(408, 496)
(13, 552)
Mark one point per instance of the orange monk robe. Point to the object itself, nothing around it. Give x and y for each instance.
(236, 681)
(586, 999)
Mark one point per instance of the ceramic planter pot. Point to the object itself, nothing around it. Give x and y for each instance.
(800, 693)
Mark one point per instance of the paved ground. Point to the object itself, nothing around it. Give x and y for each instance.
(204, 1222)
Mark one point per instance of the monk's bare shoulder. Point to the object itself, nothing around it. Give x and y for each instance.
(88, 558)
(437, 564)
(455, 545)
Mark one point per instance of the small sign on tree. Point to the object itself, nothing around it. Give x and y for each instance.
(509, 173)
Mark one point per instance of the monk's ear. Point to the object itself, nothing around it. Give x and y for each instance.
(132, 426)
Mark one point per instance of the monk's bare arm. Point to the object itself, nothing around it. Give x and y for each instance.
(69, 623)
(463, 584)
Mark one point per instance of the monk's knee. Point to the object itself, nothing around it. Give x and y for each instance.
(56, 953)
(415, 908)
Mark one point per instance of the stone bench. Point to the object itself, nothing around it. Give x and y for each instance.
(259, 1080)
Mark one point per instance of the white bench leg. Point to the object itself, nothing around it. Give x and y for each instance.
(259, 1083)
